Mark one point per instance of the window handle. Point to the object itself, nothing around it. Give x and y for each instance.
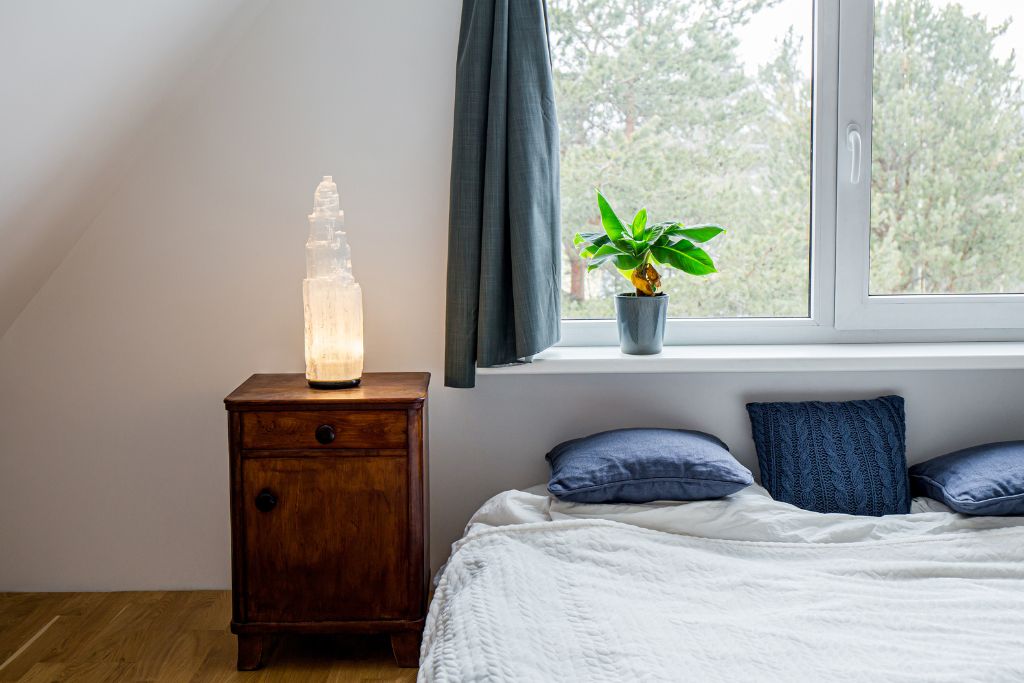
(853, 144)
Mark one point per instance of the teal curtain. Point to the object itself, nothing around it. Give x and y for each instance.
(504, 242)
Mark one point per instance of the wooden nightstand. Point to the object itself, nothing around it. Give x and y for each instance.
(329, 510)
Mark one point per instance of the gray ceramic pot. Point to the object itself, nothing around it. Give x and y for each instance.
(641, 323)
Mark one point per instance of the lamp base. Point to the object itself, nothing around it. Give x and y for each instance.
(338, 384)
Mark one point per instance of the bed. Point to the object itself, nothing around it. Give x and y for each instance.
(744, 588)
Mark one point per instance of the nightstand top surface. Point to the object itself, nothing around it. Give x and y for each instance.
(292, 389)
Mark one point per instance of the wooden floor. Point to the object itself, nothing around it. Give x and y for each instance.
(164, 636)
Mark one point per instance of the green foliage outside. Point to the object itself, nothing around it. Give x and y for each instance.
(655, 108)
(947, 187)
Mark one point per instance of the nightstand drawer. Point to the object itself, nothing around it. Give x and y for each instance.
(324, 429)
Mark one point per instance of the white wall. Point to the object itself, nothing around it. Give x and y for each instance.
(113, 457)
(79, 80)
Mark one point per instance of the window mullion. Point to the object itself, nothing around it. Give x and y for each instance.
(823, 184)
(853, 162)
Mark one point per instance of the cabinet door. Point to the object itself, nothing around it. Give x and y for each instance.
(327, 539)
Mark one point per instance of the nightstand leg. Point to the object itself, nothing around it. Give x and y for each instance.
(406, 646)
(250, 652)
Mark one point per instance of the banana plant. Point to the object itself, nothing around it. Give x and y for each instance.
(635, 248)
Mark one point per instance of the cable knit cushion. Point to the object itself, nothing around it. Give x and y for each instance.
(642, 465)
(845, 457)
(982, 480)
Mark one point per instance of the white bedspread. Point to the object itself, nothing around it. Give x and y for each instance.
(742, 589)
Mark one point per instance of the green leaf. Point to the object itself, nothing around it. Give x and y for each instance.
(654, 233)
(597, 263)
(693, 260)
(627, 262)
(588, 251)
(697, 233)
(681, 245)
(612, 225)
(701, 256)
(629, 246)
(639, 223)
(607, 250)
(597, 238)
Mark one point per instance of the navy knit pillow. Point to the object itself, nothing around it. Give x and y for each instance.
(845, 457)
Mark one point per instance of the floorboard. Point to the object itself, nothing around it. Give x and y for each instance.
(165, 636)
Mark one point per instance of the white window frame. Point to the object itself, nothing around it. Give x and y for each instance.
(856, 308)
(840, 307)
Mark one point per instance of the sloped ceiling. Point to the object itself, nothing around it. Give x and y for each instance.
(79, 84)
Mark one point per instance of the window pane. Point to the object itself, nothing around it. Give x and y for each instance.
(699, 111)
(947, 148)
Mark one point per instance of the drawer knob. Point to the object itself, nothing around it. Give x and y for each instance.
(325, 434)
(265, 500)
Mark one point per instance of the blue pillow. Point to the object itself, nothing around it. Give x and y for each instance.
(982, 480)
(641, 465)
(847, 457)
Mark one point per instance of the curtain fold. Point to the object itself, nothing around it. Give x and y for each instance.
(504, 242)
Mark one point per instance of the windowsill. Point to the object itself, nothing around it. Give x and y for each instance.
(564, 360)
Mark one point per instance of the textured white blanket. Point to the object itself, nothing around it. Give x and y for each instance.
(743, 589)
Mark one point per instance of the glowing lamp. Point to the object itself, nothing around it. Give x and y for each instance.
(332, 299)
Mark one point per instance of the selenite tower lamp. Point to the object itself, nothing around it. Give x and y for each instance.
(332, 299)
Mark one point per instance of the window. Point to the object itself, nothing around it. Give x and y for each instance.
(931, 235)
(867, 159)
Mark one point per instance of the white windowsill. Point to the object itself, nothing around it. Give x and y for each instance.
(562, 360)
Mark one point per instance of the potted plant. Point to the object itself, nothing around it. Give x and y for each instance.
(634, 249)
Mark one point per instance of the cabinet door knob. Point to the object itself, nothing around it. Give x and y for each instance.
(325, 434)
(265, 500)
